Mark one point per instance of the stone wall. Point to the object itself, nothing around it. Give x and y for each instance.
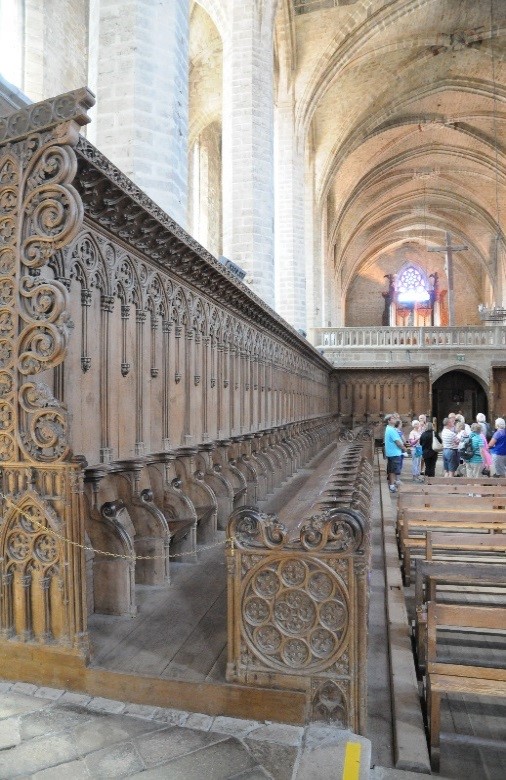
(364, 301)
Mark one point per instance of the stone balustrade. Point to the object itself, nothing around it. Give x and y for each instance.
(391, 338)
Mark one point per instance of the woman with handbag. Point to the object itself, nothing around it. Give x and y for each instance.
(416, 450)
(428, 440)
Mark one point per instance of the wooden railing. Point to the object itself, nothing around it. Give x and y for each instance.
(391, 338)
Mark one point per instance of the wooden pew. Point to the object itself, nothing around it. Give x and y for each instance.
(416, 526)
(471, 506)
(452, 579)
(467, 545)
(451, 486)
(480, 480)
(448, 677)
(461, 501)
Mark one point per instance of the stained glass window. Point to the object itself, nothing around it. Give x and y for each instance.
(412, 286)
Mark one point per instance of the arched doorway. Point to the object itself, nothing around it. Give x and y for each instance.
(458, 391)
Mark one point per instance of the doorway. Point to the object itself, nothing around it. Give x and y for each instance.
(457, 391)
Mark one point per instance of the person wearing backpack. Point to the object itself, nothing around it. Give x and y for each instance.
(473, 452)
(497, 446)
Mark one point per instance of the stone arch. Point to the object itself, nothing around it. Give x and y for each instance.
(458, 388)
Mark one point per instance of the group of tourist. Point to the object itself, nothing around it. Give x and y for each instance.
(466, 449)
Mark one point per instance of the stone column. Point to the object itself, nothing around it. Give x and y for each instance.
(55, 39)
(248, 181)
(139, 71)
(289, 220)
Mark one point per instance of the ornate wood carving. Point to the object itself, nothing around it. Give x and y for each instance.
(298, 606)
(40, 212)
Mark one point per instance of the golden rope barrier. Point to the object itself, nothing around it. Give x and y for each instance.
(41, 527)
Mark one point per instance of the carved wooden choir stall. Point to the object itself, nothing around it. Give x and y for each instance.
(146, 394)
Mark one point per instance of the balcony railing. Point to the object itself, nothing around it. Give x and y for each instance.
(418, 338)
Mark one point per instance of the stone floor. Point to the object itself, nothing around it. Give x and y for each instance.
(48, 734)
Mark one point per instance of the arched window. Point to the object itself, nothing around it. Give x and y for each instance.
(412, 285)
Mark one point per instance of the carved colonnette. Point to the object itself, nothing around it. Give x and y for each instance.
(298, 596)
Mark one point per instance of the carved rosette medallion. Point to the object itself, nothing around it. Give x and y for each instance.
(295, 613)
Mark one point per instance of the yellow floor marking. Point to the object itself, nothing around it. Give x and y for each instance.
(351, 770)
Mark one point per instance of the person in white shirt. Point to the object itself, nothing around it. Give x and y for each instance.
(450, 448)
(416, 450)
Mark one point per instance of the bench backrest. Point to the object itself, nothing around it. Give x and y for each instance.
(450, 487)
(460, 616)
(466, 480)
(430, 572)
(459, 514)
(457, 501)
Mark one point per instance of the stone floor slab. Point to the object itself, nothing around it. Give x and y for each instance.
(73, 770)
(81, 699)
(35, 755)
(235, 726)
(325, 754)
(102, 731)
(12, 703)
(52, 720)
(174, 742)
(216, 762)
(106, 705)
(9, 733)
(278, 760)
(27, 688)
(49, 693)
(170, 716)
(118, 761)
(278, 732)
(196, 720)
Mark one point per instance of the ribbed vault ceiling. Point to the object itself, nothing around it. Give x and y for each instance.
(404, 105)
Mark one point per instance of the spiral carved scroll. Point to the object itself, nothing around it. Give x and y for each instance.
(40, 212)
(251, 528)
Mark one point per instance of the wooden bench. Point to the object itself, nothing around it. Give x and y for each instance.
(461, 501)
(452, 579)
(480, 480)
(446, 677)
(491, 546)
(451, 486)
(471, 507)
(414, 530)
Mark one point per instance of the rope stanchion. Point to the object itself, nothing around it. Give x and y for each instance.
(45, 528)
